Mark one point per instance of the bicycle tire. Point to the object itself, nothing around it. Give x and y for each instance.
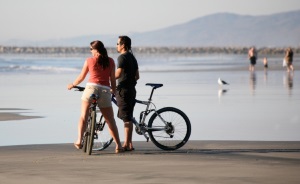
(84, 142)
(91, 133)
(179, 133)
(86, 134)
(103, 137)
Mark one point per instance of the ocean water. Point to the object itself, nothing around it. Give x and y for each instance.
(261, 105)
(147, 63)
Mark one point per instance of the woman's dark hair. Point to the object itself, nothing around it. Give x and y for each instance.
(126, 41)
(103, 59)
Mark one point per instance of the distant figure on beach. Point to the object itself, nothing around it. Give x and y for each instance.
(127, 74)
(265, 61)
(102, 82)
(252, 55)
(289, 59)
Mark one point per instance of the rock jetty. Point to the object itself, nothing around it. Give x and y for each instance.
(144, 50)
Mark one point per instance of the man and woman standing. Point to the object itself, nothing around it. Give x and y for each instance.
(102, 81)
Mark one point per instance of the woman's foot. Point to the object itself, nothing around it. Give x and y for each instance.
(119, 150)
(77, 146)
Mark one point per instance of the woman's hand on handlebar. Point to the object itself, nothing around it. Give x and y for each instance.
(112, 91)
(70, 86)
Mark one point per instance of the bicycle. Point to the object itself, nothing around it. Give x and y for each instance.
(168, 128)
(93, 127)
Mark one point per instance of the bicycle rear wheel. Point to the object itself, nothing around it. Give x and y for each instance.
(103, 138)
(90, 140)
(175, 134)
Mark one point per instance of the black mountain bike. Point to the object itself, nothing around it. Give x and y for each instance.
(168, 128)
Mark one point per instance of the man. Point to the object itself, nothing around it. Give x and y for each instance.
(127, 74)
(252, 55)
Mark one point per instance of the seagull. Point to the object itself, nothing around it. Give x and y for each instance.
(221, 82)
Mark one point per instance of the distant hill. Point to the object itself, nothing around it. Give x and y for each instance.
(217, 30)
(226, 29)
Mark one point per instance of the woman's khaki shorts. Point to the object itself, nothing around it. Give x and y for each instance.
(103, 93)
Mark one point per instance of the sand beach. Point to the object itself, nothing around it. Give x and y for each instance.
(197, 162)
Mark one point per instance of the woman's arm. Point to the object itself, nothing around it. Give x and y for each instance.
(80, 77)
(113, 80)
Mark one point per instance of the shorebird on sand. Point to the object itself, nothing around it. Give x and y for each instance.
(221, 82)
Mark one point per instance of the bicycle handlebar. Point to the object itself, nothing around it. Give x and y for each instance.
(113, 97)
(79, 88)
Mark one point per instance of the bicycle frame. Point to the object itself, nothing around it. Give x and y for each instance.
(141, 125)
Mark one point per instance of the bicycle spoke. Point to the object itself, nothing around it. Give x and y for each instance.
(104, 138)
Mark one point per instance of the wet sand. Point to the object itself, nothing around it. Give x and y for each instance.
(10, 116)
(197, 162)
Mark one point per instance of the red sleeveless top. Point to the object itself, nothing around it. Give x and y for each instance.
(98, 75)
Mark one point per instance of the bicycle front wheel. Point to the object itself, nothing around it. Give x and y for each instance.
(91, 133)
(103, 138)
(169, 128)
(86, 133)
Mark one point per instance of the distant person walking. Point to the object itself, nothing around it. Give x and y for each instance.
(127, 74)
(289, 59)
(265, 62)
(252, 55)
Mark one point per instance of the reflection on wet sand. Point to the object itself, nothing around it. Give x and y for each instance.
(252, 82)
(288, 81)
(221, 92)
(265, 76)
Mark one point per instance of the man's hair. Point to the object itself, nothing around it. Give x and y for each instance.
(126, 41)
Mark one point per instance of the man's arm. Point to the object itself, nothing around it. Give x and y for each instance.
(118, 73)
(137, 75)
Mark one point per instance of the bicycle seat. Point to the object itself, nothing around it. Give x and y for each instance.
(154, 85)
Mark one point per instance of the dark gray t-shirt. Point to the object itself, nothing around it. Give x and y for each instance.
(129, 65)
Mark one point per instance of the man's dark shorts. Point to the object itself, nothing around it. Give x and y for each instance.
(126, 103)
(253, 60)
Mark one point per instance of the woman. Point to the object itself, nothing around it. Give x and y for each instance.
(102, 81)
(289, 59)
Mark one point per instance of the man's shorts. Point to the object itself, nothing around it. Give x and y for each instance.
(102, 91)
(126, 103)
(253, 60)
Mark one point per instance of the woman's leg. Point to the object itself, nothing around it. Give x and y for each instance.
(82, 120)
(108, 114)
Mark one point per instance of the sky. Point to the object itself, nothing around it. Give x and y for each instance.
(38, 20)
